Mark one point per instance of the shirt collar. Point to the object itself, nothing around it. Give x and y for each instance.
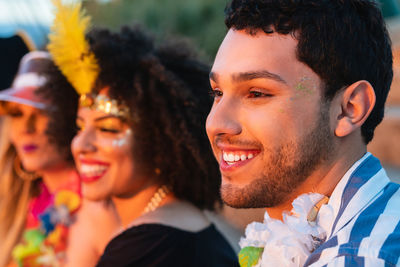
(358, 187)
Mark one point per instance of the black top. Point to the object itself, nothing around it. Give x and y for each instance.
(160, 245)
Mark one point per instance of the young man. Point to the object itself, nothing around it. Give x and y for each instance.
(299, 88)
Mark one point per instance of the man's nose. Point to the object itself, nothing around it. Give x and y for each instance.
(223, 118)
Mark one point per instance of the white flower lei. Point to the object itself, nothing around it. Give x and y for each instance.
(289, 243)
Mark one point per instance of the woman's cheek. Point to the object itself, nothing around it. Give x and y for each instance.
(122, 141)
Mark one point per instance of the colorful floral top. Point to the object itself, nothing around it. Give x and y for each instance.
(45, 237)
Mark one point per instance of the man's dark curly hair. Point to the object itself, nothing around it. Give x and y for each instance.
(64, 105)
(166, 88)
(343, 41)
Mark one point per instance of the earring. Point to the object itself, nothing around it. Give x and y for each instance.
(23, 174)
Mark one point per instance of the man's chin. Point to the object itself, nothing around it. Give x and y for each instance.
(257, 194)
(240, 197)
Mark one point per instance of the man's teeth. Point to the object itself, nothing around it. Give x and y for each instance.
(92, 169)
(231, 157)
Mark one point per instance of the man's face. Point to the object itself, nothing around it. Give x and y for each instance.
(268, 126)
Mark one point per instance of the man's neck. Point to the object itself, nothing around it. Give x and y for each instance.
(324, 179)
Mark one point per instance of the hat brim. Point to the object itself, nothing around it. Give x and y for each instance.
(22, 97)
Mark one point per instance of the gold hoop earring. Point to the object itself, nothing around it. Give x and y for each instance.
(23, 174)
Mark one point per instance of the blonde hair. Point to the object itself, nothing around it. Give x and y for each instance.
(15, 194)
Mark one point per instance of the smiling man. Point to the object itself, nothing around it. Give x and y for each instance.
(299, 87)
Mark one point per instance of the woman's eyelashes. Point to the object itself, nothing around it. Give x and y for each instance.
(104, 129)
(110, 125)
(109, 130)
(14, 112)
(107, 126)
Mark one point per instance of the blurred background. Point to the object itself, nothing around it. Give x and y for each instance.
(24, 25)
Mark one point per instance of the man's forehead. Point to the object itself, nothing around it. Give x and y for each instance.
(242, 56)
(261, 44)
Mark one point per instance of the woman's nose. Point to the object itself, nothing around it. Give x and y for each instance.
(84, 142)
(30, 126)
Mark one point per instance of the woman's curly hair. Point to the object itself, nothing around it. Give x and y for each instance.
(166, 88)
(63, 100)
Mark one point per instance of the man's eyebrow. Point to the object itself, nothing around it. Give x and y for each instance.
(261, 74)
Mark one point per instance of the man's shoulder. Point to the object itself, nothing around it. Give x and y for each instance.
(385, 204)
(372, 236)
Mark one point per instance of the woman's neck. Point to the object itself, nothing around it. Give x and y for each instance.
(133, 207)
(58, 176)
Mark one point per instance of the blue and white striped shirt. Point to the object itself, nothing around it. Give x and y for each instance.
(366, 228)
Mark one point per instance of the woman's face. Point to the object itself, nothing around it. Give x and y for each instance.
(28, 135)
(102, 150)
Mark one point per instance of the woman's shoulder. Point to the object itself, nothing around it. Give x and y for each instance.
(178, 234)
(161, 245)
(179, 214)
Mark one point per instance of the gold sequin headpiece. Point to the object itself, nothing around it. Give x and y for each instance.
(72, 55)
(105, 104)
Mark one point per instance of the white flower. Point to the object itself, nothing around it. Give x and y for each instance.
(289, 243)
(256, 235)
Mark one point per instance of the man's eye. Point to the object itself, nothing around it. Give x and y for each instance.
(257, 94)
(215, 93)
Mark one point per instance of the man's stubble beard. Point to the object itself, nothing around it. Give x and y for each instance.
(287, 168)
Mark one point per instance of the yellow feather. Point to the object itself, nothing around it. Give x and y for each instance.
(69, 48)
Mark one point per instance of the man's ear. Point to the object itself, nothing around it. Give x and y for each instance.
(356, 103)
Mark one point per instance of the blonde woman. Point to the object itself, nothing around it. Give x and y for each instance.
(43, 221)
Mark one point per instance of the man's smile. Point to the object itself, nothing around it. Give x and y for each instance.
(233, 158)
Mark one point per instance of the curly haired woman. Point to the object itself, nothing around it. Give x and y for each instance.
(142, 144)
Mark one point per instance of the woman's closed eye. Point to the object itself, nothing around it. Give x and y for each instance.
(14, 112)
(79, 125)
(110, 125)
(109, 130)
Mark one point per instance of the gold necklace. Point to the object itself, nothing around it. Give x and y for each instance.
(155, 201)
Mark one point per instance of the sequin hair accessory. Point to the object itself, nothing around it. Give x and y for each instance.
(72, 55)
(105, 104)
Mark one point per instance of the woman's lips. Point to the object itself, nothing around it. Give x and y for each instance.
(90, 179)
(92, 170)
(29, 148)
